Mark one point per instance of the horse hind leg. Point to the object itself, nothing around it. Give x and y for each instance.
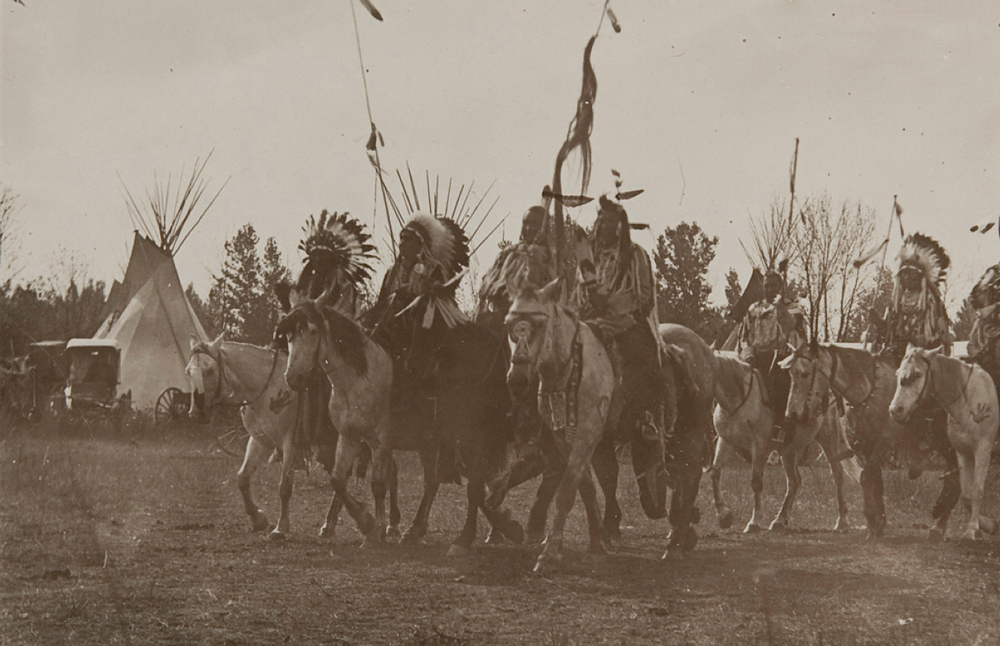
(758, 461)
(255, 455)
(873, 489)
(723, 512)
(285, 487)
(392, 531)
(829, 447)
(416, 532)
(588, 494)
(565, 497)
(605, 465)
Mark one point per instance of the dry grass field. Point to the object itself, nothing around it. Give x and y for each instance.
(144, 541)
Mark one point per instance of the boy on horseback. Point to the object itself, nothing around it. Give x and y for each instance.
(530, 261)
(770, 326)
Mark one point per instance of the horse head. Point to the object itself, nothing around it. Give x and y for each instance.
(532, 325)
(985, 291)
(302, 328)
(809, 366)
(913, 381)
(204, 371)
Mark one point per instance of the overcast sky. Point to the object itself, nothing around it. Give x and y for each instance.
(699, 103)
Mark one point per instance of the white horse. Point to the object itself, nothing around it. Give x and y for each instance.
(967, 393)
(224, 372)
(745, 422)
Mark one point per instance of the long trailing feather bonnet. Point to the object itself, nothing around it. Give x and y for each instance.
(443, 239)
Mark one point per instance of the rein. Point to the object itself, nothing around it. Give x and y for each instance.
(833, 375)
(746, 396)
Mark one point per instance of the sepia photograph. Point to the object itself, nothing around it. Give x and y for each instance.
(454, 323)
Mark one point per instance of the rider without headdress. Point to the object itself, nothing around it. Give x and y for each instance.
(621, 301)
(771, 327)
(529, 262)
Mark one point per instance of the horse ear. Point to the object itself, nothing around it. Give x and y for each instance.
(552, 291)
(219, 339)
(294, 298)
(933, 352)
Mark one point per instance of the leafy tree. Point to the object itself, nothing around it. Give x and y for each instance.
(873, 299)
(733, 288)
(683, 254)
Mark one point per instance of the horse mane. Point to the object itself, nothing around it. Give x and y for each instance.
(852, 360)
(949, 376)
(730, 376)
(346, 336)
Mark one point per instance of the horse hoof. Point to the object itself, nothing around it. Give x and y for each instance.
(935, 535)
(495, 537)
(597, 549)
(534, 538)
(458, 551)
(842, 526)
(726, 519)
(367, 524)
(371, 542)
(514, 532)
(751, 528)
(970, 535)
(259, 523)
(276, 536)
(412, 536)
(690, 540)
(778, 526)
(326, 532)
(392, 533)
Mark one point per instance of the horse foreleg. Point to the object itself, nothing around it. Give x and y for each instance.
(288, 459)
(873, 489)
(951, 491)
(588, 494)
(793, 480)
(605, 464)
(348, 449)
(428, 460)
(983, 455)
(565, 497)
(829, 446)
(538, 516)
(524, 469)
(725, 515)
(475, 490)
(381, 467)
(255, 456)
(758, 462)
(973, 474)
(392, 531)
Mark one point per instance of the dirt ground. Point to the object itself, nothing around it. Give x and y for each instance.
(144, 541)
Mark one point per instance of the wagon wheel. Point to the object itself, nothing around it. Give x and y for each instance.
(233, 440)
(170, 405)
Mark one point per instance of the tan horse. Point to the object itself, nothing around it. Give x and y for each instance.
(745, 424)
(576, 383)
(360, 372)
(967, 393)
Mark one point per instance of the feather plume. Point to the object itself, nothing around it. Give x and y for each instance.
(871, 253)
(344, 239)
(925, 254)
(371, 9)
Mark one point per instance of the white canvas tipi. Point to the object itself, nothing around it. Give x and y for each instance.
(152, 320)
(148, 313)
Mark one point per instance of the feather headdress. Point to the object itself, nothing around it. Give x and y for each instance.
(444, 240)
(343, 240)
(926, 255)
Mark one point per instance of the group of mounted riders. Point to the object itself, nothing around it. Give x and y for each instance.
(450, 369)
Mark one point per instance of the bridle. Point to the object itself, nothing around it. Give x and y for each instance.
(746, 395)
(222, 376)
(832, 376)
(933, 392)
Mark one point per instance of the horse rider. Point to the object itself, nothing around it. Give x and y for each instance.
(772, 326)
(529, 262)
(985, 299)
(621, 302)
(433, 254)
(916, 313)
